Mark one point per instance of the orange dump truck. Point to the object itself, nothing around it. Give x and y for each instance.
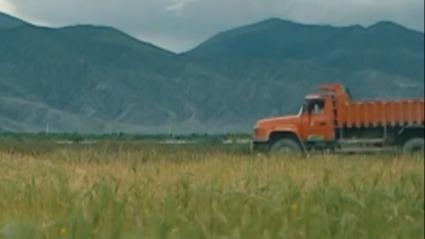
(331, 120)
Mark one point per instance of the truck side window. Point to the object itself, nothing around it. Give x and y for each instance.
(316, 107)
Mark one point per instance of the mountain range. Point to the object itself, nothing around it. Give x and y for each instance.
(96, 79)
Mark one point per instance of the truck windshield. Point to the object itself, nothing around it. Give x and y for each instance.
(301, 110)
(316, 106)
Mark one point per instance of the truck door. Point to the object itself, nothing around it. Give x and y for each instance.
(318, 120)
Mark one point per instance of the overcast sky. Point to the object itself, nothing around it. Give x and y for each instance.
(179, 25)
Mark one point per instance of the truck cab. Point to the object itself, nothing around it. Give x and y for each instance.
(313, 123)
(321, 124)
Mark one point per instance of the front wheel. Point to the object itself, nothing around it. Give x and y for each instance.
(285, 146)
(413, 146)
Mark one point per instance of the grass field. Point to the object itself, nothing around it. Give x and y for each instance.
(177, 192)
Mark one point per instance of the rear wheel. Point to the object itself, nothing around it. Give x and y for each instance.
(413, 146)
(285, 146)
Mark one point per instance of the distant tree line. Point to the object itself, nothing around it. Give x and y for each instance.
(77, 137)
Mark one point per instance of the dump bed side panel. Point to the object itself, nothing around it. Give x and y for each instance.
(380, 113)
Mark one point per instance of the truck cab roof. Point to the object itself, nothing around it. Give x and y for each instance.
(314, 97)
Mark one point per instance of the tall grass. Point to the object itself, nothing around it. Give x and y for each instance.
(170, 193)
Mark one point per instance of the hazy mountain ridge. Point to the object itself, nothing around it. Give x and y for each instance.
(356, 48)
(98, 79)
(7, 22)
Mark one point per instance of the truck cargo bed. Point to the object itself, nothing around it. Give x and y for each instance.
(380, 113)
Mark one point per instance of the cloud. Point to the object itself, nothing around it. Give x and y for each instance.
(6, 7)
(177, 6)
(182, 24)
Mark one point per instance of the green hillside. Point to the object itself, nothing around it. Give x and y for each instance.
(99, 80)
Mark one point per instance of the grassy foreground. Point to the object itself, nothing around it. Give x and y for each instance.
(185, 194)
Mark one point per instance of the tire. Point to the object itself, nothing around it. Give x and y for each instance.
(286, 146)
(413, 146)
